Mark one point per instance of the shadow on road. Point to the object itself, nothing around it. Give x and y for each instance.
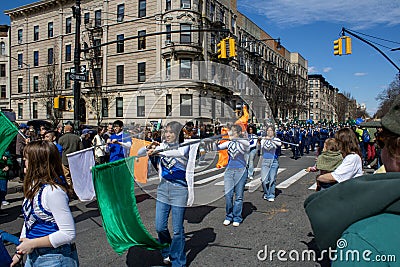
(138, 256)
(248, 209)
(311, 245)
(198, 240)
(197, 214)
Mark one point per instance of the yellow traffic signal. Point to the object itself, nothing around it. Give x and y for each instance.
(338, 47)
(348, 45)
(232, 47)
(59, 102)
(221, 49)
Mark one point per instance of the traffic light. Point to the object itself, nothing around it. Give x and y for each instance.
(232, 47)
(59, 103)
(338, 47)
(348, 45)
(221, 49)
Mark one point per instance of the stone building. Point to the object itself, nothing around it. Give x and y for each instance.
(4, 67)
(140, 76)
(322, 99)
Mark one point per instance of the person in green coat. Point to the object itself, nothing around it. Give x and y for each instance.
(363, 218)
(5, 165)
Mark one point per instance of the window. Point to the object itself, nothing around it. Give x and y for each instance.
(233, 24)
(168, 69)
(67, 81)
(185, 71)
(186, 105)
(185, 36)
(68, 52)
(120, 43)
(140, 106)
(68, 25)
(86, 18)
(222, 107)
(97, 43)
(97, 18)
(97, 77)
(104, 107)
(142, 8)
(49, 82)
(168, 35)
(20, 35)
(35, 33)
(212, 11)
(35, 110)
(120, 12)
(2, 48)
(185, 3)
(50, 32)
(120, 74)
(167, 5)
(311, 105)
(35, 58)
(119, 107)
(168, 105)
(35, 83)
(142, 72)
(2, 70)
(20, 111)
(50, 54)
(20, 85)
(3, 92)
(142, 40)
(212, 43)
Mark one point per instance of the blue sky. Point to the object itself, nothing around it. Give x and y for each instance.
(310, 26)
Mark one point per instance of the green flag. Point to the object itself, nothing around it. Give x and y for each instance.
(115, 192)
(7, 133)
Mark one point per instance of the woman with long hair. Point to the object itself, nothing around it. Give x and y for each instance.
(49, 230)
(351, 165)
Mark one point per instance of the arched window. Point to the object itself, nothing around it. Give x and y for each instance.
(2, 48)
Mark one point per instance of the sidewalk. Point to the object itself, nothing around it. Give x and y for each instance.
(14, 187)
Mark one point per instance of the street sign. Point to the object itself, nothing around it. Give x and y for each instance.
(83, 69)
(77, 77)
(72, 70)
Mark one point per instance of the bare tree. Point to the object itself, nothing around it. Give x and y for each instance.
(387, 96)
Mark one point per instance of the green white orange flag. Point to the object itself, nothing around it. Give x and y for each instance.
(115, 192)
(7, 132)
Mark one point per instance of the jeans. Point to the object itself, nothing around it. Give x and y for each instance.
(9, 237)
(63, 256)
(234, 182)
(171, 198)
(3, 189)
(250, 164)
(269, 171)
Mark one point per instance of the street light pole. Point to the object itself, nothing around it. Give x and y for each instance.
(77, 61)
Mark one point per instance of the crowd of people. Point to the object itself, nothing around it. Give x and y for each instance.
(49, 226)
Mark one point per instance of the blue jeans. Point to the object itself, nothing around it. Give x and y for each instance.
(3, 189)
(63, 256)
(250, 164)
(9, 237)
(234, 182)
(171, 198)
(269, 171)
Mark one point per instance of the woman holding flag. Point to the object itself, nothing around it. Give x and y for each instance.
(49, 230)
(174, 191)
(235, 174)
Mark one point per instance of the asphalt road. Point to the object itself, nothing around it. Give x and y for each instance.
(267, 226)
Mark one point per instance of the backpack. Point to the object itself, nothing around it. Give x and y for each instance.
(365, 137)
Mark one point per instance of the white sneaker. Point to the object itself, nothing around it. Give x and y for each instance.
(271, 199)
(251, 177)
(167, 261)
(236, 224)
(227, 222)
(5, 203)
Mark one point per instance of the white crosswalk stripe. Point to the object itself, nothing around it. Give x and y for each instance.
(291, 180)
(313, 187)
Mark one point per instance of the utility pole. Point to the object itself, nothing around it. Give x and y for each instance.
(77, 62)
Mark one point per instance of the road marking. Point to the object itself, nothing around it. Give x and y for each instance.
(206, 180)
(291, 180)
(255, 181)
(313, 187)
(255, 184)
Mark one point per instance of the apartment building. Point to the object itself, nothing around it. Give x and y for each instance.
(4, 67)
(323, 103)
(139, 76)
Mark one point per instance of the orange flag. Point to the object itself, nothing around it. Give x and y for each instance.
(223, 154)
(243, 120)
(141, 164)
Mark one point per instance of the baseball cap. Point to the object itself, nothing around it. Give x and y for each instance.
(391, 120)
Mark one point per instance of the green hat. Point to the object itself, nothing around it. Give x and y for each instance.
(391, 121)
